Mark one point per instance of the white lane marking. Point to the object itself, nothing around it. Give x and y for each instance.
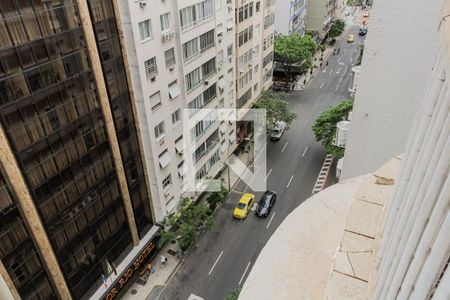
(210, 271)
(337, 87)
(331, 71)
(342, 63)
(304, 151)
(289, 183)
(270, 221)
(338, 59)
(345, 71)
(267, 175)
(340, 79)
(245, 271)
(321, 85)
(284, 147)
(324, 70)
(339, 70)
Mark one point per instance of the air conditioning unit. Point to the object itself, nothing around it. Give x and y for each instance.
(219, 39)
(206, 82)
(142, 3)
(168, 36)
(171, 68)
(167, 194)
(241, 71)
(230, 59)
(250, 64)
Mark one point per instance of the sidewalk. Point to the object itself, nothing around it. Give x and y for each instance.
(156, 281)
(305, 79)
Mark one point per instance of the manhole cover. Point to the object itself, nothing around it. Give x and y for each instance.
(133, 292)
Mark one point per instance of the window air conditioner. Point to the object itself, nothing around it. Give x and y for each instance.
(142, 3)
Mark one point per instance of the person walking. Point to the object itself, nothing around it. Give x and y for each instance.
(163, 261)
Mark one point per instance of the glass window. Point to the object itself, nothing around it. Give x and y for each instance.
(150, 68)
(167, 181)
(145, 30)
(169, 57)
(206, 40)
(165, 22)
(160, 131)
(176, 117)
(155, 100)
(174, 90)
(190, 49)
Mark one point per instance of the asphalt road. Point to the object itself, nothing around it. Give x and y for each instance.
(224, 256)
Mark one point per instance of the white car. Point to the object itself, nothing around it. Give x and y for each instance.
(278, 130)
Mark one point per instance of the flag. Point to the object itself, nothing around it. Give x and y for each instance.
(109, 270)
(114, 268)
(104, 280)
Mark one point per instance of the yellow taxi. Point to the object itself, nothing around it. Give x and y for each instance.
(350, 38)
(244, 205)
(366, 14)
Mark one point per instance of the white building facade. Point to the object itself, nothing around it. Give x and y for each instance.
(291, 17)
(320, 14)
(181, 56)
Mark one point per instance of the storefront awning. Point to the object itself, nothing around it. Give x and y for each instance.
(174, 90)
(164, 159)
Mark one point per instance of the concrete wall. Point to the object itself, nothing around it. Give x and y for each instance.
(315, 15)
(399, 52)
(282, 18)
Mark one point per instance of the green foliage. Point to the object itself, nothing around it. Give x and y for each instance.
(294, 48)
(325, 126)
(167, 236)
(233, 294)
(276, 108)
(336, 29)
(351, 2)
(360, 56)
(216, 198)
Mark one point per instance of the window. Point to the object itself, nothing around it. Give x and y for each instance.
(167, 181)
(165, 22)
(246, 78)
(245, 58)
(255, 88)
(194, 14)
(206, 40)
(192, 79)
(209, 67)
(257, 6)
(155, 101)
(244, 98)
(245, 35)
(169, 55)
(268, 41)
(256, 69)
(174, 90)
(150, 68)
(268, 59)
(245, 12)
(269, 20)
(160, 131)
(145, 30)
(176, 117)
(209, 94)
(190, 49)
(195, 105)
(164, 159)
(230, 50)
(267, 76)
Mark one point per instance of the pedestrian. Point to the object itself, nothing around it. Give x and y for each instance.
(321, 65)
(339, 50)
(326, 64)
(334, 51)
(163, 260)
(304, 82)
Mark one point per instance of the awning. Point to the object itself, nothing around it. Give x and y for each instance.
(222, 84)
(223, 146)
(164, 159)
(182, 170)
(229, 26)
(179, 146)
(174, 90)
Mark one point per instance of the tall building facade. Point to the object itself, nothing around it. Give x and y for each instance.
(74, 197)
(291, 17)
(320, 15)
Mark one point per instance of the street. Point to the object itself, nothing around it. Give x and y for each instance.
(224, 256)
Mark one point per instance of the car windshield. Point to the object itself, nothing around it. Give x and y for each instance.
(241, 205)
(265, 201)
(275, 131)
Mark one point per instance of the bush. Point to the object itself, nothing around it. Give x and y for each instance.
(216, 198)
(336, 29)
(233, 294)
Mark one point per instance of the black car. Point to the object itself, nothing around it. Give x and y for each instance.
(362, 31)
(266, 203)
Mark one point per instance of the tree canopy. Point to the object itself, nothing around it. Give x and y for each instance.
(276, 108)
(336, 28)
(294, 48)
(325, 126)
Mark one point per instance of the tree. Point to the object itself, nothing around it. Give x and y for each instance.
(216, 198)
(276, 108)
(325, 126)
(360, 56)
(336, 28)
(233, 294)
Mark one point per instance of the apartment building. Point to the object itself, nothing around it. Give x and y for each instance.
(74, 198)
(320, 15)
(255, 32)
(181, 56)
(291, 17)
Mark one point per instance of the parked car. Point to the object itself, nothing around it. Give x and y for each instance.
(366, 14)
(244, 206)
(351, 38)
(265, 204)
(278, 130)
(362, 31)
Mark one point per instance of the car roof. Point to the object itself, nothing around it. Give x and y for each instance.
(246, 198)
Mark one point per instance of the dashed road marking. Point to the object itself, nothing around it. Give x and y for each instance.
(339, 70)
(245, 271)
(289, 183)
(337, 87)
(265, 179)
(284, 147)
(220, 255)
(321, 85)
(304, 151)
(270, 221)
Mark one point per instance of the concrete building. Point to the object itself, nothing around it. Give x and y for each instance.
(380, 133)
(320, 15)
(290, 17)
(382, 235)
(74, 197)
(181, 55)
